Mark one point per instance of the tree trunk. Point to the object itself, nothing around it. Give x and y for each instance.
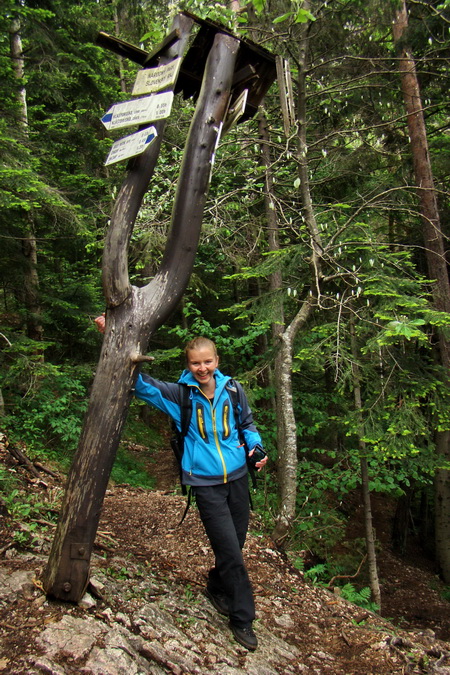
(123, 84)
(436, 261)
(288, 459)
(29, 244)
(133, 315)
(17, 62)
(402, 519)
(273, 240)
(287, 449)
(275, 279)
(368, 524)
(35, 330)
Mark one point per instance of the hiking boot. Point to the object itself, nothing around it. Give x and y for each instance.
(219, 601)
(245, 636)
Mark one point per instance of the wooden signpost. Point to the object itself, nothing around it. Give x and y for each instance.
(216, 70)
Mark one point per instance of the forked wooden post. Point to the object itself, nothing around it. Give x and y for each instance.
(134, 314)
(131, 319)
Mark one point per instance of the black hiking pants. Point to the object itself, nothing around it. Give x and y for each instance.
(224, 510)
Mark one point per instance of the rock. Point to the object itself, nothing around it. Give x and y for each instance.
(46, 666)
(108, 614)
(15, 584)
(118, 656)
(151, 618)
(284, 620)
(3, 664)
(442, 666)
(71, 637)
(40, 601)
(123, 619)
(87, 602)
(96, 587)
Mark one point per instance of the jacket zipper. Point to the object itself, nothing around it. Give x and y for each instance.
(218, 444)
(201, 427)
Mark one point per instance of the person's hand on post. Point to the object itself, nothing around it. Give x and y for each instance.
(100, 322)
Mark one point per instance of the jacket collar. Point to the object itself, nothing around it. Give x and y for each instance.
(189, 379)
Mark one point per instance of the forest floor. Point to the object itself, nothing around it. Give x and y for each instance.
(141, 546)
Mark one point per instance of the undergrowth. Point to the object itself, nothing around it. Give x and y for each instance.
(31, 514)
(323, 574)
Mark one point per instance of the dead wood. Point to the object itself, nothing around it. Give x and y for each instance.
(22, 459)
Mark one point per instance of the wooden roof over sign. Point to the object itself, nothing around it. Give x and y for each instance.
(255, 66)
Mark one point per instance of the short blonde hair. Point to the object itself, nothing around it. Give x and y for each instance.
(199, 343)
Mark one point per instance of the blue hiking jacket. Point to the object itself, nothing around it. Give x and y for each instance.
(213, 453)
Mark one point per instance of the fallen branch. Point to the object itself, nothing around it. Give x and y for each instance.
(347, 576)
(8, 626)
(103, 547)
(345, 638)
(44, 522)
(45, 469)
(106, 536)
(5, 548)
(22, 459)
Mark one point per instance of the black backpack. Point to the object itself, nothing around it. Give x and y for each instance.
(177, 440)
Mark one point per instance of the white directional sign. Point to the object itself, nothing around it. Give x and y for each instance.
(150, 80)
(236, 111)
(131, 145)
(140, 111)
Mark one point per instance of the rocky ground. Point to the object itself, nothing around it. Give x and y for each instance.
(145, 611)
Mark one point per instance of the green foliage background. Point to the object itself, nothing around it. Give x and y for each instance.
(53, 177)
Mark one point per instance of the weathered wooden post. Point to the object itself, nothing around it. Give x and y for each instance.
(133, 314)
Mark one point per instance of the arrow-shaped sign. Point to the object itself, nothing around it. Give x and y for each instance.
(139, 111)
(131, 145)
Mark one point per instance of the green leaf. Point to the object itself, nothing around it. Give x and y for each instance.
(283, 17)
(259, 5)
(303, 16)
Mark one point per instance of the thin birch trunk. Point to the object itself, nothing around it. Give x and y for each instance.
(287, 449)
(29, 243)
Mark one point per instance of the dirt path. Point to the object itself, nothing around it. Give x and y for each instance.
(154, 571)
